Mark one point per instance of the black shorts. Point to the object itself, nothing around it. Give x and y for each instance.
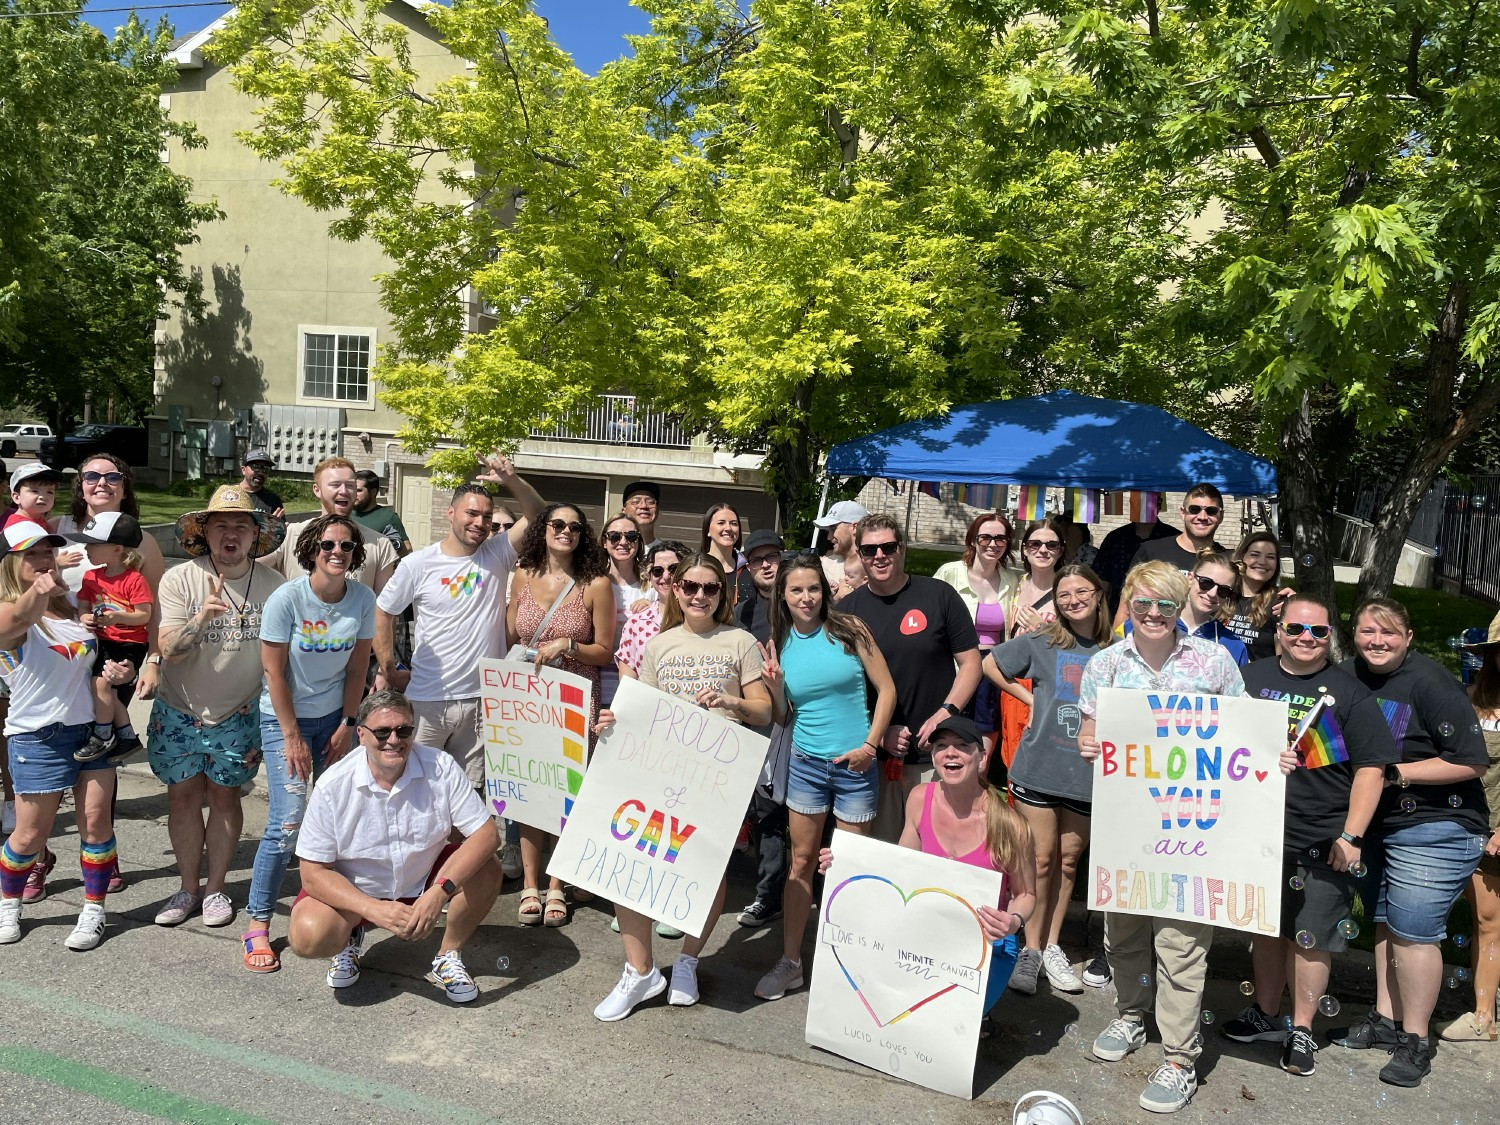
(1039, 800)
(1315, 900)
(133, 651)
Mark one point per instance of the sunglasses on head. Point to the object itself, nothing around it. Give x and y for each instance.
(1203, 509)
(380, 734)
(618, 536)
(561, 526)
(91, 477)
(659, 570)
(985, 540)
(1164, 606)
(692, 589)
(1043, 545)
(870, 550)
(1206, 584)
(328, 546)
(1297, 628)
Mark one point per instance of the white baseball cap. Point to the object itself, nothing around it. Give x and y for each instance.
(845, 511)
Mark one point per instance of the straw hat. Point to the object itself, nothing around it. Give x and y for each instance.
(230, 498)
(1492, 639)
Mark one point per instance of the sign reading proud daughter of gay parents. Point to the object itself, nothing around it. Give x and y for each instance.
(536, 739)
(1188, 803)
(899, 980)
(661, 806)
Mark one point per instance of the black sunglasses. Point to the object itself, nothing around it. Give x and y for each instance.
(92, 477)
(1203, 509)
(658, 570)
(496, 528)
(328, 546)
(1297, 628)
(1206, 584)
(380, 734)
(691, 588)
(560, 526)
(1042, 545)
(985, 540)
(870, 550)
(627, 536)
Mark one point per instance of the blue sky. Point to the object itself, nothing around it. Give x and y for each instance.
(590, 30)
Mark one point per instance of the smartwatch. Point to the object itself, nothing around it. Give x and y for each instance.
(154, 658)
(952, 710)
(350, 721)
(1352, 840)
(448, 887)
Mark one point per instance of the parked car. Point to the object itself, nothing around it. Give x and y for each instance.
(23, 437)
(126, 442)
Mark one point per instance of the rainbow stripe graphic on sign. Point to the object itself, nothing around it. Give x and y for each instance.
(575, 743)
(1319, 741)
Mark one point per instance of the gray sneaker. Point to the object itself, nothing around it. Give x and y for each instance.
(786, 975)
(1023, 976)
(177, 909)
(1120, 1038)
(1170, 1089)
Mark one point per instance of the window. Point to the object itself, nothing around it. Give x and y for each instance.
(336, 364)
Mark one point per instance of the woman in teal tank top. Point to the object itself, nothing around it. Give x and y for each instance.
(817, 666)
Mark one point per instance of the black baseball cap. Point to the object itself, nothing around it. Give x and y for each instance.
(961, 725)
(642, 486)
(764, 537)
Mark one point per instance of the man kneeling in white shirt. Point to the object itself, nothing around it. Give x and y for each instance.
(375, 851)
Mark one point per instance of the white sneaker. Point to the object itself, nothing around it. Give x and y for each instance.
(90, 927)
(1060, 974)
(343, 970)
(8, 821)
(448, 970)
(510, 861)
(785, 975)
(10, 920)
(1023, 976)
(633, 989)
(684, 992)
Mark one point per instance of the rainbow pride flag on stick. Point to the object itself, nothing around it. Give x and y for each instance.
(1084, 504)
(1032, 502)
(1318, 740)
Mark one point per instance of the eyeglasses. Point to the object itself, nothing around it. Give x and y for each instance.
(870, 550)
(561, 526)
(328, 546)
(642, 500)
(1051, 546)
(1297, 628)
(1164, 606)
(1203, 509)
(382, 734)
(659, 570)
(766, 560)
(617, 536)
(985, 540)
(1077, 599)
(1222, 591)
(692, 589)
(92, 477)
(497, 528)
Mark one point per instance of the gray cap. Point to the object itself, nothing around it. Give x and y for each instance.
(259, 455)
(845, 511)
(35, 470)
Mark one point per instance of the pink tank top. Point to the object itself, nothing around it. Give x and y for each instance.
(979, 857)
(989, 621)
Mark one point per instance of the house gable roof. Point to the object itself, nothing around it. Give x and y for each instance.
(187, 50)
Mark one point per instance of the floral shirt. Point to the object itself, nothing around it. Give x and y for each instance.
(639, 628)
(1195, 665)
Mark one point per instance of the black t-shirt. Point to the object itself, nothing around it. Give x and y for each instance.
(1317, 800)
(1168, 550)
(753, 614)
(265, 500)
(1112, 562)
(919, 630)
(1260, 640)
(1431, 717)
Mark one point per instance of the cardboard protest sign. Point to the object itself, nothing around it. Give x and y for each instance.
(1188, 805)
(535, 727)
(902, 962)
(660, 807)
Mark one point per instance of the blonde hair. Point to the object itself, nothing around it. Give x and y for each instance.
(12, 588)
(671, 613)
(1005, 832)
(1163, 577)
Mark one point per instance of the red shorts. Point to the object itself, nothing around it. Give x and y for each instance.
(442, 858)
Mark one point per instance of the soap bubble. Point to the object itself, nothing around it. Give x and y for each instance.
(1313, 853)
(1461, 974)
(503, 964)
(1382, 1100)
(1309, 559)
(1328, 1005)
(1358, 869)
(1208, 1017)
(1452, 982)
(1247, 988)
(1305, 939)
(1349, 928)
(1295, 882)
(1145, 981)
(1408, 805)
(1102, 1077)
(1454, 800)
(1286, 1022)
(1071, 1031)
(1445, 729)
(1460, 940)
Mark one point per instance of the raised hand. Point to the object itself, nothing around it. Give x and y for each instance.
(214, 605)
(770, 667)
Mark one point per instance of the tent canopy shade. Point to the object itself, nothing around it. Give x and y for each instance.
(1059, 438)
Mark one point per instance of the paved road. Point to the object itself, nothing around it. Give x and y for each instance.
(159, 1024)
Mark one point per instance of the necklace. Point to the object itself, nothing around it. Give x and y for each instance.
(232, 640)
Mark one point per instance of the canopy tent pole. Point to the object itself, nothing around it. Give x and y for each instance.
(823, 499)
(911, 496)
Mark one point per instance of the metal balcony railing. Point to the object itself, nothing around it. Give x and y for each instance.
(618, 420)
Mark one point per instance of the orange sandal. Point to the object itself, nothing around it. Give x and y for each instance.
(260, 965)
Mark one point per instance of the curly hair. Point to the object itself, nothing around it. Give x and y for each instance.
(589, 560)
(79, 509)
(307, 542)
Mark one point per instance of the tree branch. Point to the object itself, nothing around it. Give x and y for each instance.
(1153, 28)
(1355, 181)
(1265, 146)
(1413, 62)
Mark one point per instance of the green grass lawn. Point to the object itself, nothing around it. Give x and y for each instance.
(164, 505)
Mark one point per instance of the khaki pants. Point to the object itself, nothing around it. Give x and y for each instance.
(453, 725)
(1175, 956)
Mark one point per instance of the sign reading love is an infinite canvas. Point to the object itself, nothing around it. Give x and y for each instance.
(1188, 805)
(898, 982)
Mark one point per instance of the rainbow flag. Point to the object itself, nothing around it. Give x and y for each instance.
(1084, 504)
(1032, 502)
(1318, 740)
(990, 497)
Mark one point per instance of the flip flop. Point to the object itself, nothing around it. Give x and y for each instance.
(248, 937)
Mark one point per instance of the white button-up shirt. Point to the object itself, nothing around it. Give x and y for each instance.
(386, 842)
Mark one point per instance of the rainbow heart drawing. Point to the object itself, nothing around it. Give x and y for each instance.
(885, 964)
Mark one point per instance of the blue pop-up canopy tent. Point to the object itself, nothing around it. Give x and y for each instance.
(1060, 438)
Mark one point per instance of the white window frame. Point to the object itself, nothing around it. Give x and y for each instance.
(304, 399)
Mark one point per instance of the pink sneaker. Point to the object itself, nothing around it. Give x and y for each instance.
(36, 882)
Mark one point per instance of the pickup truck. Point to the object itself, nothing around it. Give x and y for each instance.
(126, 442)
(23, 437)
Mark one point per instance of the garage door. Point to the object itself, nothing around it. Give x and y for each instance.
(683, 507)
(584, 493)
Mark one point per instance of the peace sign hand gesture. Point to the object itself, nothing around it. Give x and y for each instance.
(770, 667)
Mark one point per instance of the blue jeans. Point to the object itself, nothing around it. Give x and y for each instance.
(288, 804)
(1415, 875)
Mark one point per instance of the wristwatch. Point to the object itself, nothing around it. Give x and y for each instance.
(154, 658)
(350, 721)
(448, 887)
(1394, 776)
(952, 710)
(1352, 840)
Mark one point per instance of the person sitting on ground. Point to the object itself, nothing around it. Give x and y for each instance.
(355, 875)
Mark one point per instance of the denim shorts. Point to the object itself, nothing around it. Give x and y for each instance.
(181, 746)
(41, 761)
(814, 785)
(1416, 875)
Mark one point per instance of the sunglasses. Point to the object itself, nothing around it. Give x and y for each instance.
(1206, 584)
(692, 589)
(1296, 629)
(985, 540)
(617, 536)
(1049, 545)
(659, 571)
(1164, 606)
(328, 546)
(870, 550)
(92, 477)
(1203, 509)
(765, 560)
(381, 734)
(496, 528)
(561, 526)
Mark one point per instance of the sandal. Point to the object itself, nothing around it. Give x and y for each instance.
(530, 917)
(259, 965)
(556, 913)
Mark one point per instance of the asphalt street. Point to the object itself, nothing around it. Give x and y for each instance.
(161, 1024)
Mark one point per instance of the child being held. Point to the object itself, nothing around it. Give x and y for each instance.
(116, 603)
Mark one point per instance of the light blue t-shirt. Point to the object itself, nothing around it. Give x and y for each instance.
(319, 637)
(825, 684)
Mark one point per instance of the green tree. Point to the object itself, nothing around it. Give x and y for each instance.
(91, 220)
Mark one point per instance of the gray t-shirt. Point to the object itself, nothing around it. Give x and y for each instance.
(1047, 759)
